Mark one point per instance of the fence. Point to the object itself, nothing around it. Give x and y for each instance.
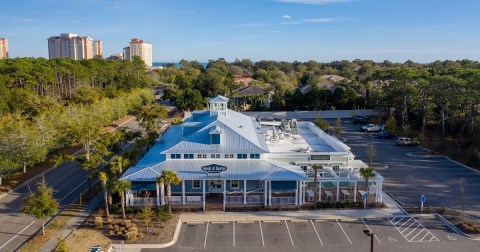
(283, 200)
(177, 200)
(251, 199)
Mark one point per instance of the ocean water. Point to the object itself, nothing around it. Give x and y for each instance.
(176, 64)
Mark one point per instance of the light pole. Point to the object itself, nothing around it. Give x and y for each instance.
(368, 232)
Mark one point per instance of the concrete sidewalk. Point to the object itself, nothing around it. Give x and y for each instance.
(74, 223)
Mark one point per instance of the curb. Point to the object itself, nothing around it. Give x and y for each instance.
(454, 228)
(176, 234)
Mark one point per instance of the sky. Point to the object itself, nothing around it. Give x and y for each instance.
(283, 30)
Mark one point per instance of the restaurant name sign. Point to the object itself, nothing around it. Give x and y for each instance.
(319, 157)
(214, 168)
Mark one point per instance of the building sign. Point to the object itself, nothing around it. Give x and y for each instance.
(214, 168)
(319, 157)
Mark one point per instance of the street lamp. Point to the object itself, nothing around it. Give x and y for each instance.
(368, 232)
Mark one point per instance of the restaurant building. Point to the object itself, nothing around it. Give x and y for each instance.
(229, 160)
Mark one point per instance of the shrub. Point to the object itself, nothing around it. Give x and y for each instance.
(176, 121)
(127, 223)
(98, 221)
(322, 124)
(61, 246)
(163, 215)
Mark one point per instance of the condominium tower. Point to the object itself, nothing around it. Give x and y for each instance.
(138, 48)
(72, 46)
(3, 48)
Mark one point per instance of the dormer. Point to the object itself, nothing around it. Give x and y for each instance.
(215, 135)
(218, 105)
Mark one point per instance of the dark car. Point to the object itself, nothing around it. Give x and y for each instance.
(359, 120)
(386, 135)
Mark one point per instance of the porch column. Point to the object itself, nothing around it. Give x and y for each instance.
(158, 194)
(338, 190)
(244, 191)
(203, 194)
(162, 194)
(319, 191)
(183, 192)
(355, 191)
(381, 191)
(265, 199)
(224, 193)
(304, 191)
(269, 192)
(296, 193)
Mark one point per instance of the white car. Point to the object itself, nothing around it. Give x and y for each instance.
(371, 127)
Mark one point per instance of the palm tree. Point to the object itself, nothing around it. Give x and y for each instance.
(103, 178)
(117, 165)
(315, 169)
(168, 178)
(367, 173)
(120, 187)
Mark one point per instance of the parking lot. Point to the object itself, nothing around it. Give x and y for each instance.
(408, 176)
(394, 234)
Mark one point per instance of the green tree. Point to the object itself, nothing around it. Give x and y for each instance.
(391, 124)
(147, 213)
(322, 124)
(104, 179)
(168, 178)
(120, 187)
(149, 115)
(41, 204)
(315, 168)
(367, 174)
(118, 164)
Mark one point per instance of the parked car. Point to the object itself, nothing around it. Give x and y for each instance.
(359, 120)
(386, 135)
(405, 141)
(370, 128)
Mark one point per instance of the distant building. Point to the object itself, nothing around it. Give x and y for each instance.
(115, 56)
(69, 45)
(97, 46)
(3, 48)
(138, 48)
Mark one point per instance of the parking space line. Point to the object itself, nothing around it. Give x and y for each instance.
(289, 233)
(418, 230)
(424, 237)
(314, 228)
(343, 231)
(418, 225)
(234, 233)
(397, 221)
(404, 224)
(416, 235)
(408, 227)
(206, 234)
(261, 232)
(370, 230)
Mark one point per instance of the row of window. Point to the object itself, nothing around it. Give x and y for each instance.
(197, 184)
(200, 156)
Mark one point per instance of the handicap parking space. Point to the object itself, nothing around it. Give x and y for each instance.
(412, 230)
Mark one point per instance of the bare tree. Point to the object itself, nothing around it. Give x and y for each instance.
(371, 152)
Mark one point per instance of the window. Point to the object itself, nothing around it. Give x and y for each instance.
(188, 156)
(201, 155)
(228, 155)
(215, 156)
(196, 184)
(215, 138)
(241, 156)
(175, 156)
(254, 156)
(234, 184)
(304, 168)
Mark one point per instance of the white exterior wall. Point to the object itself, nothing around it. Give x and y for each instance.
(70, 45)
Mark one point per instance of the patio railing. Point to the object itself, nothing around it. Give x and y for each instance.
(141, 201)
(190, 200)
(283, 200)
(251, 199)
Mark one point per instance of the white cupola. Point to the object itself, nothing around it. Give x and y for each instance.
(218, 105)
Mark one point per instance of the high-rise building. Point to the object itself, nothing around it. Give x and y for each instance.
(69, 45)
(97, 46)
(3, 48)
(139, 48)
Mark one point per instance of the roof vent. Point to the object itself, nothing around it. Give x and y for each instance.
(241, 126)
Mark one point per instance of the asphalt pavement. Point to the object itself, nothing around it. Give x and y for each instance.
(68, 181)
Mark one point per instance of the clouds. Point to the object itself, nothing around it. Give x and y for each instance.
(319, 20)
(286, 16)
(315, 1)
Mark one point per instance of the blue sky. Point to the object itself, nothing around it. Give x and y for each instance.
(321, 30)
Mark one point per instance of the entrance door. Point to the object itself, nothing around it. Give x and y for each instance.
(216, 186)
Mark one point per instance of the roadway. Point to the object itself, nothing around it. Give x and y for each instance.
(68, 181)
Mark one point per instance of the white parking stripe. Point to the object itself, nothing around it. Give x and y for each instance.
(289, 233)
(343, 231)
(261, 232)
(206, 234)
(408, 228)
(314, 228)
(424, 236)
(418, 225)
(418, 231)
(370, 230)
(234, 233)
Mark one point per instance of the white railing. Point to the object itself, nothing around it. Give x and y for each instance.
(177, 200)
(283, 200)
(234, 199)
(194, 200)
(254, 199)
(142, 201)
